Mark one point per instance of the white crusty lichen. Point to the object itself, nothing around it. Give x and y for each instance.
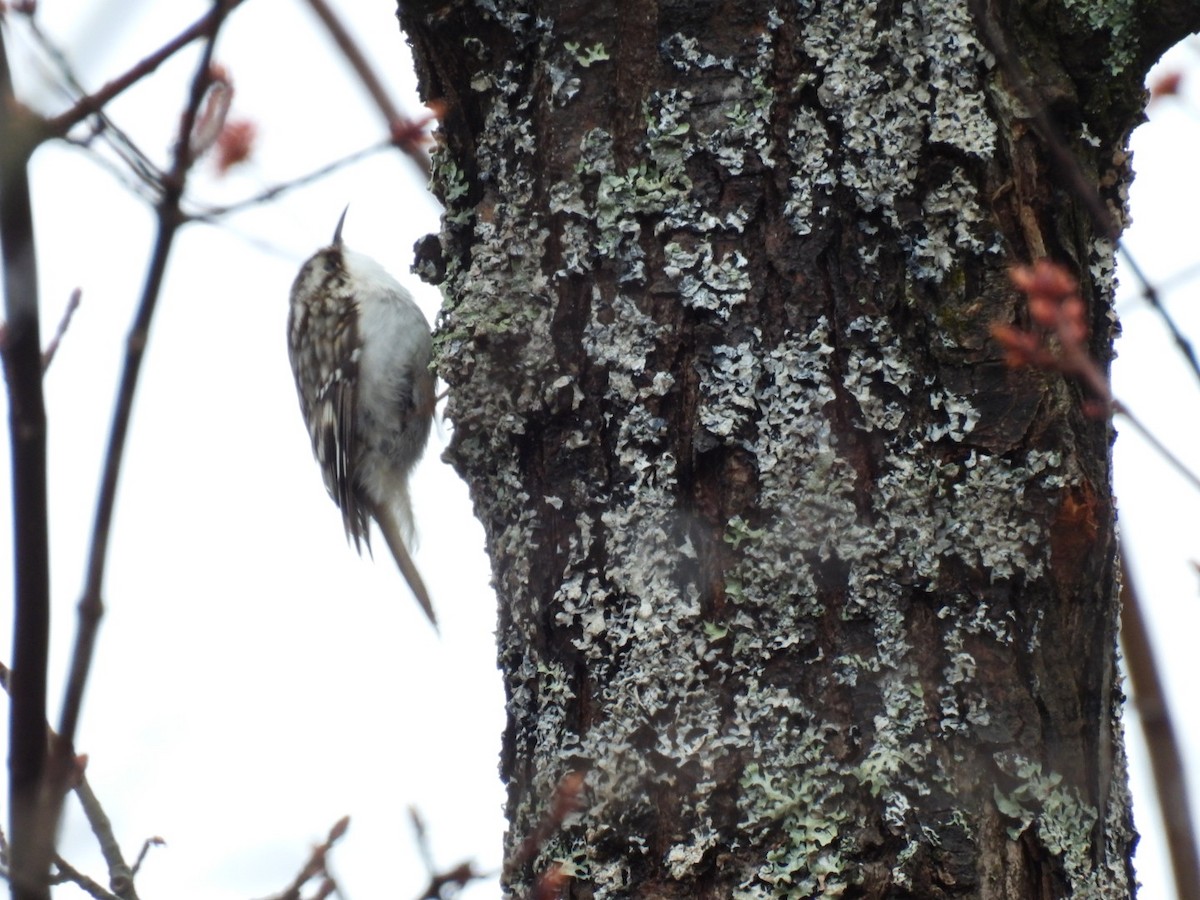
(953, 223)
(706, 280)
(736, 131)
(727, 385)
(961, 416)
(879, 376)
(638, 623)
(890, 94)
(813, 177)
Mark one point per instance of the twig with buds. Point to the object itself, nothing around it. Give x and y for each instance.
(455, 878)
(407, 135)
(120, 876)
(1057, 311)
(568, 794)
(316, 868)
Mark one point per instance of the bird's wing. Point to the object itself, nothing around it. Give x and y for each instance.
(325, 351)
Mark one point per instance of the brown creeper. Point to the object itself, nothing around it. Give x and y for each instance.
(360, 351)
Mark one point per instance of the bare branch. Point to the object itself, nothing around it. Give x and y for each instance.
(67, 872)
(212, 213)
(63, 325)
(102, 126)
(91, 606)
(458, 878)
(315, 867)
(32, 841)
(400, 126)
(422, 836)
(146, 845)
(1150, 295)
(120, 876)
(144, 175)
(1159, 447)
(205, 27)
(1166, 761)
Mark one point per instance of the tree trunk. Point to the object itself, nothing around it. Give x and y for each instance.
(817, 593)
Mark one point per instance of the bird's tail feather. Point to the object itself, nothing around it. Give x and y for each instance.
(393, 529)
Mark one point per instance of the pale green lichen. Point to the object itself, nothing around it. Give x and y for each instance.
(586, 56)
(809, 810)
(1063, 822)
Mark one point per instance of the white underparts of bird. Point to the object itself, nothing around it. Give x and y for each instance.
(360, 350)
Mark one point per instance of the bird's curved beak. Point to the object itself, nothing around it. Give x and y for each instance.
(337, 232)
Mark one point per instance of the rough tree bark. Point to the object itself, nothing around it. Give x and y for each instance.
(818, 593)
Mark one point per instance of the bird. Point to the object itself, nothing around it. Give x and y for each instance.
(360, 351)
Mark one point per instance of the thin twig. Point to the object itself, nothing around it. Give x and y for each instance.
(32, 840)
(91, 606)
(63, 324)
(316, 866)
(397, 123)
(457, 878)
(212, 213)
(146, 845)
(143, 185)
(1069, 168)
(67, 872)
(354, 55)
(120, 876)
(1166, 761)
(1150, 295)
(1174, 461)
(104, 127)
(97, 100)
(422, 836)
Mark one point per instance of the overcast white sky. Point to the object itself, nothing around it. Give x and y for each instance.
(255, 680)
